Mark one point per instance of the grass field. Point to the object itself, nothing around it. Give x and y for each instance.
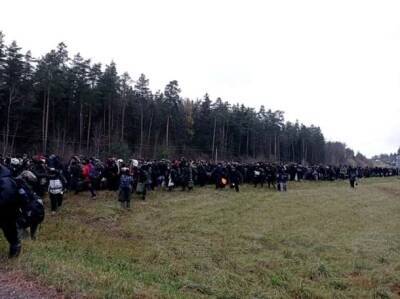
(318, 240)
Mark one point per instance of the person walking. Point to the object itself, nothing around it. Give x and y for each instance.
(56, 190)
(125, 188)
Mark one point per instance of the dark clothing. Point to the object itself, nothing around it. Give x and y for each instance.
(187, 178)
(8, 224)
(282, 181)
(234, 179)
(220, 177)
(125, 190)
(125, 197)
(9, 206)
(259, 176)
(141, 183)
(352, 178)
(56, 201)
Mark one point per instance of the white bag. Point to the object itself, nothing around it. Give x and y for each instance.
(55, 186)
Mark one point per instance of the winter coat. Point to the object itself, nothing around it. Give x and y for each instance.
(8, 190)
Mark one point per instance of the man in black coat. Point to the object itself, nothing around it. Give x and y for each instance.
(9, 206)
(235, 178)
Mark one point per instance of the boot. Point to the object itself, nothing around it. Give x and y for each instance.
(15, 250)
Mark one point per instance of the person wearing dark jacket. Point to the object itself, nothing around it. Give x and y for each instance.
(220, 177)
(125, 188)
(9, 206)
(56, 189)
(259, 176)
(352, 177)
(234, 178)
(141, 179)
(39, 169)
(75, 174)
(271, 177)
(282, 180)
(186, 176)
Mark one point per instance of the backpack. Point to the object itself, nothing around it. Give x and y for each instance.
(94, 173)
(86, 171)
(55, 186)
(8, 191)
(125, 181)
(33, 209)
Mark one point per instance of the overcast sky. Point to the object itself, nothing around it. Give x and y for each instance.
(335, 64)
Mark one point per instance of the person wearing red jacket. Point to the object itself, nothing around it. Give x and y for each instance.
(87, 169)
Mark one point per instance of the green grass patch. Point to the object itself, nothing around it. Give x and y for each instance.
(319, 240)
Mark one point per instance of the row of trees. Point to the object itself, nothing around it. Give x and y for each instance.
(64, 105)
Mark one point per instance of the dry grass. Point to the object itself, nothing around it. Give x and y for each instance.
(319, 240)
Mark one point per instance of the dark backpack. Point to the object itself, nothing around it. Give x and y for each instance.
(94, 172)
(32, 209)
(125, 181)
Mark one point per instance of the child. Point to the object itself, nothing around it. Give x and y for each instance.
(125, 188)
(56, 190)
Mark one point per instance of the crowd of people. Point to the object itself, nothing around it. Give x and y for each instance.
(24, 181)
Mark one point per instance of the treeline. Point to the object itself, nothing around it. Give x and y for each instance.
(71, 105)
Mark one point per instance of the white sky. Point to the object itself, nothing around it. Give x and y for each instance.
(333, 63)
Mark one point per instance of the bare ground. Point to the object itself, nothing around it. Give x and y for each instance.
(13, 285)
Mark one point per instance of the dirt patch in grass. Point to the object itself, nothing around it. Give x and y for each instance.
(395, 289)
(15, 285)
(389, 190)
(359, 280)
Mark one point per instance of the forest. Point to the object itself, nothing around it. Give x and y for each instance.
(64, 104)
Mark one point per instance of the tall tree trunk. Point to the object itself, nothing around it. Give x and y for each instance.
(223, 141)
(226, 139)
(240, 144)
(247, 141)
(157, 134)
(306, 153)
(279, 148)
(265, 146)
(293, 156)
(7, 133)
(58, 139)
(123, 121)
(141, 130)
(254, 146)
(64, 137)
(4, 138)
(167, 133)
(150, 125)
(104, 120)
(109, 127)
(14, 135)
(47, 120)
(53, 120)
(89, 129)
(43, 120)
(213, 139)
(80, 127)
